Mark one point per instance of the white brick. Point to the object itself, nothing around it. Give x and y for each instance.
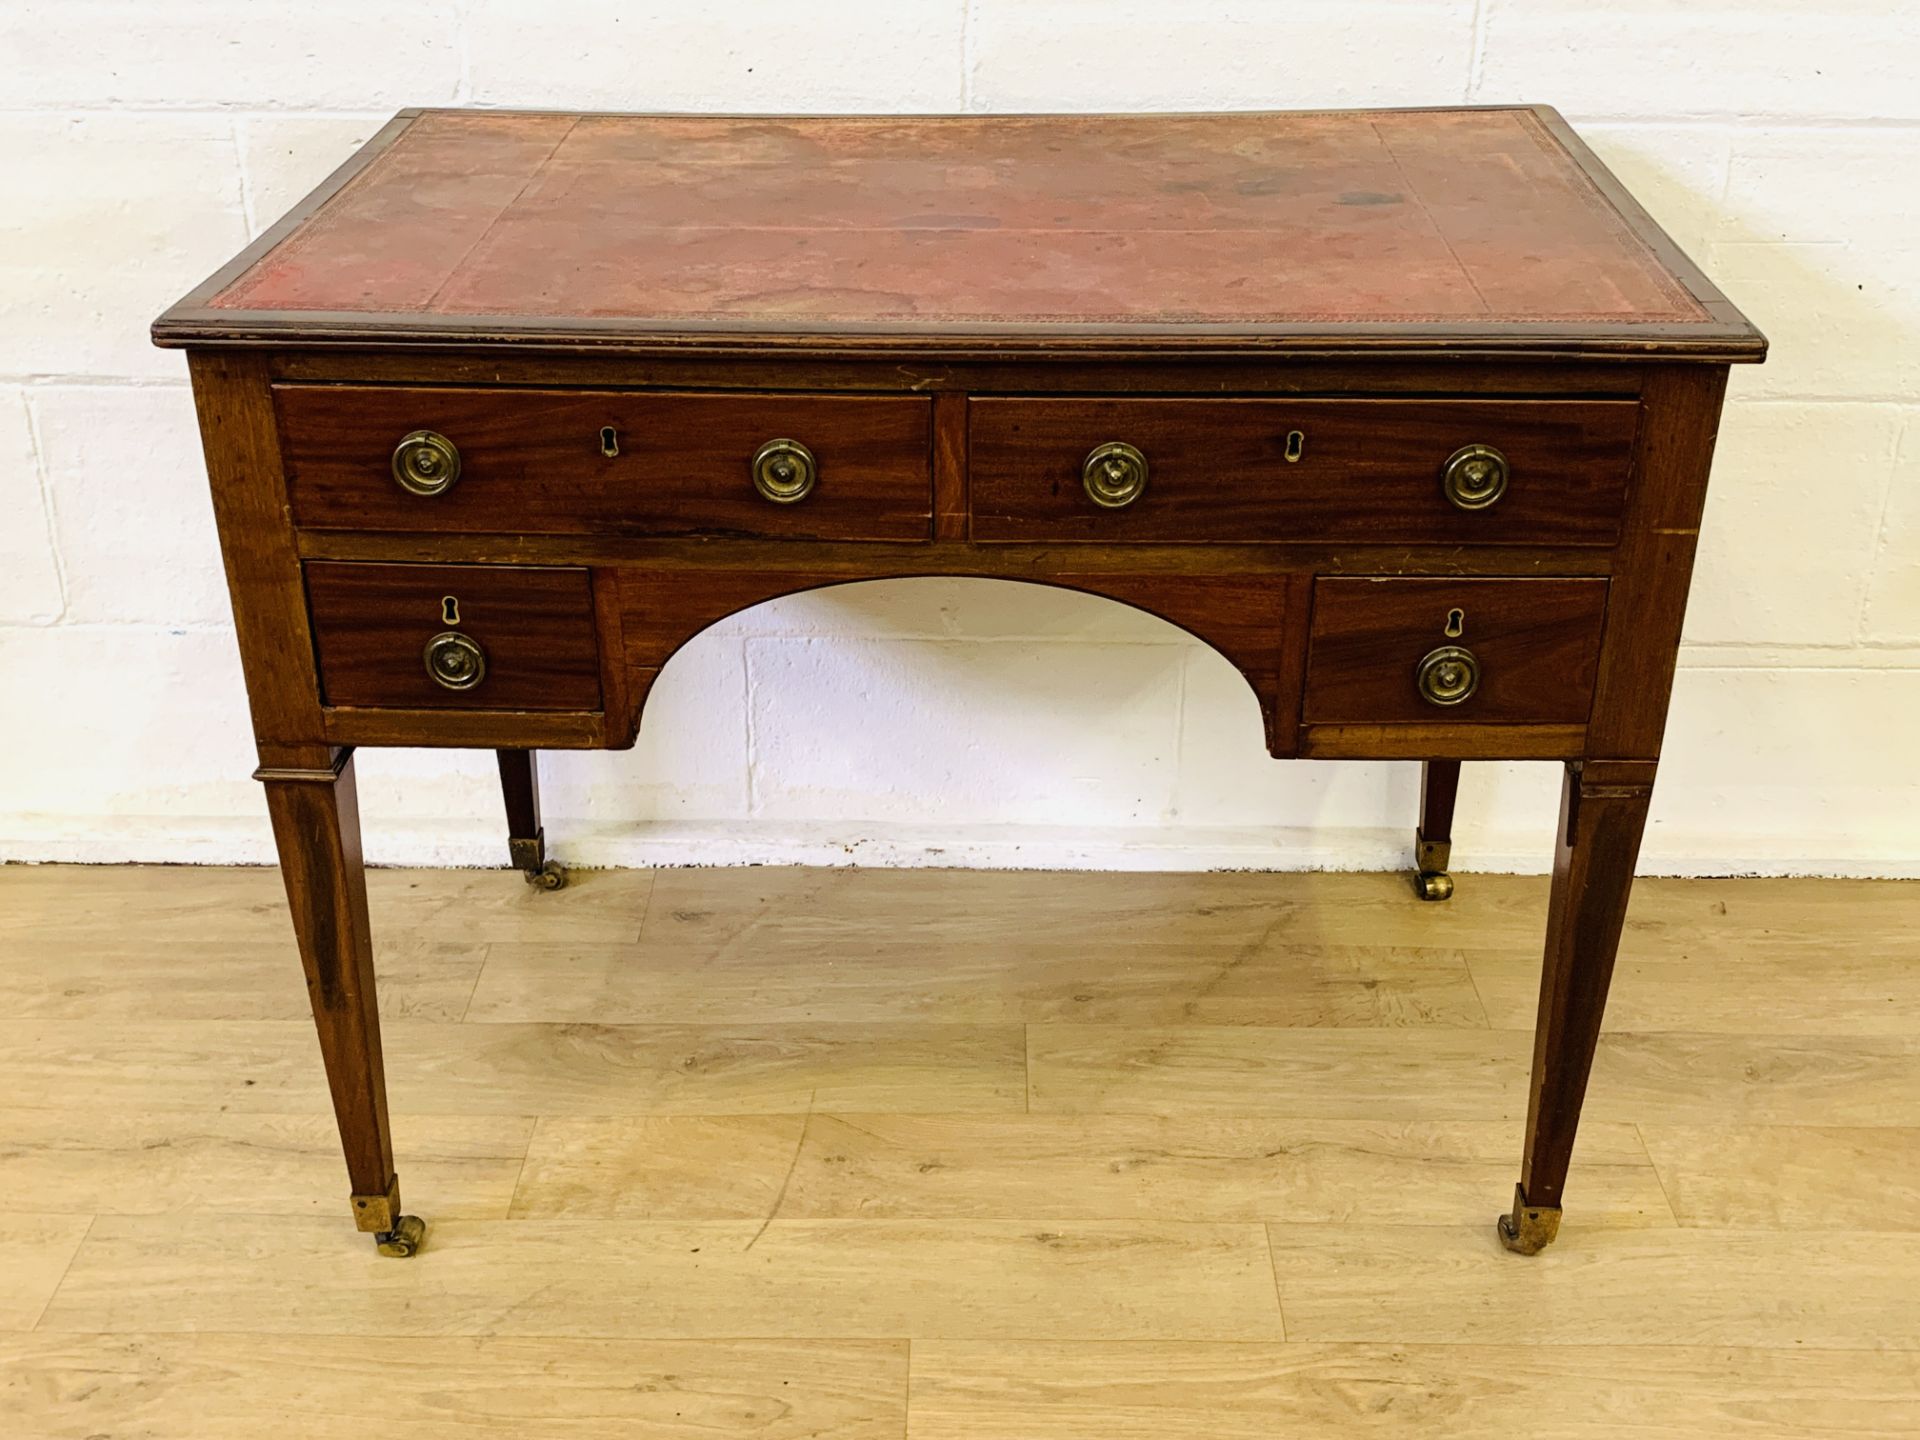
(1768, 769)
(29, 580)
(1010, 732)
(1821, 185)
(124, 213)
(230, 53)
(130, 504)
(1893, 596)
(690, 761)
(1841, 318)
(1802, 485)
(749, 56)
(1705, 57)
(121, 721)
(285, 156)
(1149, 55)
(1676, 171)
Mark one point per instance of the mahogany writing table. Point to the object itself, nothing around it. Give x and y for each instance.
(1407, 413)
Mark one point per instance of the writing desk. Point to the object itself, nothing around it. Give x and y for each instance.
(1406, 413)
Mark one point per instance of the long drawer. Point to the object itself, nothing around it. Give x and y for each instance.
(510, 461)
(1461, 472)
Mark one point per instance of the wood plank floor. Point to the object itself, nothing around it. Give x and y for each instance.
(955, 1156)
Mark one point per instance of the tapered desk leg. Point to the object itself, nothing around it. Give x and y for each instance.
(316, 825)
(1433, 841)
(1603, 809)
(526, 839)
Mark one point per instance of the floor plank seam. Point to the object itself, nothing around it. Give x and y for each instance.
(65, 1271)
(1273, 1269)
(1641, 1135)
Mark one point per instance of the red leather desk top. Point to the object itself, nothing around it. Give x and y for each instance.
(1462, 222)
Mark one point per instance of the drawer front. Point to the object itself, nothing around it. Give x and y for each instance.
(1355, 471)
(1529, 648)
(528, 631)
(607, 462)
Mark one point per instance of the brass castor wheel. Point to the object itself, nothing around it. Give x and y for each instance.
(1433, 885)
(550, 876)
(1529, 1229)
(409, 1233)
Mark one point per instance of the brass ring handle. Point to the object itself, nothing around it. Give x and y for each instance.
(1447, 676)
(1475, 476)
(455, 661)
(784, 471)
(1115, 475)
(426, 463)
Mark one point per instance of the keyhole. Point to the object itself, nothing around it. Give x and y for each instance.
(449, 610)
(1456, 623)
(1296, 445)
(609, 441)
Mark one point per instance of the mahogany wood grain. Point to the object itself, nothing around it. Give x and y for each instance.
(1439, 789)
(316, 826)
(1463, 740)
(262, 563)
(1535, 640)
(871, 561)
(532, 462)
(1648, 601)
(372, 624)
(1368, 470)
(1603, 810)
(991, 371)
(520, 792)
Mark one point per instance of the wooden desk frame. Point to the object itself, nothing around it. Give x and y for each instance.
(1250, 602)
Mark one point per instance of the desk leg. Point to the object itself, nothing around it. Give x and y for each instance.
(1433, 841)
(316, 825)
(1603, 808)
(526, 839)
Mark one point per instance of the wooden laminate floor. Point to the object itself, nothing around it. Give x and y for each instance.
(955, 1156)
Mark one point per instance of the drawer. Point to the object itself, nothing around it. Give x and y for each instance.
(568, 462)
(528, 632)
(1528, 647)
(1356, 471)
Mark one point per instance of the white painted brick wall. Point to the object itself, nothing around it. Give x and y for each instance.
(958, 721)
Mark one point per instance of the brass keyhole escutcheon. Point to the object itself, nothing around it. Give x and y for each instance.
(455, 661)
(609, 441)
(449, 610)
(1475, 476)
(1456, 624)
(1447, 676)
(1114, 474)
(425, 463)
(784, 471)
(1296, 446)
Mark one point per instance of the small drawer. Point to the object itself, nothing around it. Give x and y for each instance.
(1403, 651)
(1389, 471)
(560, 462)
(465, 637)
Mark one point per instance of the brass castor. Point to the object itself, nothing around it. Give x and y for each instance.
(1433, 885)
(1530, 1228)
(550, 876)
(409, 1233)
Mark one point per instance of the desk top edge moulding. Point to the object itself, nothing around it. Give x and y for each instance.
(951, 233)
(1408, 414)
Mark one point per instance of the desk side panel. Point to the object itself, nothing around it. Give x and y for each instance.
(238, 433)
